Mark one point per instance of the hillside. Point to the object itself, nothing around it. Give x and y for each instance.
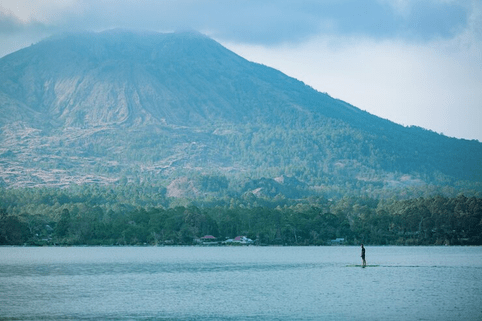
(180, 111)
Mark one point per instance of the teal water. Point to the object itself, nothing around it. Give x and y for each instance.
(240, 283)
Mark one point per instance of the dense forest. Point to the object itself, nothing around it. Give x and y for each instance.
(101, 215)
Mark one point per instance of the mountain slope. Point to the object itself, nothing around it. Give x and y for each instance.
(174, 78)
(116, 105)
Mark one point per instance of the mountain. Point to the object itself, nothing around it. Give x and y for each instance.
(182, 111)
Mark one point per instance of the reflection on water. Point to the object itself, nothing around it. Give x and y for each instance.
(247, 283)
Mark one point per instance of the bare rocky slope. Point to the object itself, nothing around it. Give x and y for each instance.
(182, 111)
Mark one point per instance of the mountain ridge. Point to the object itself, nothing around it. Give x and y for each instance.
(146, 106)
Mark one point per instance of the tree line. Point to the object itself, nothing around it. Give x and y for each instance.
(91, 219)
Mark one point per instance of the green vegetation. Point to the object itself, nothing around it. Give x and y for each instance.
(135, 138)
(98, 108)
(129, 215)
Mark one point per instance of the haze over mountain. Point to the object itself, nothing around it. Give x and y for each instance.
(182, 111)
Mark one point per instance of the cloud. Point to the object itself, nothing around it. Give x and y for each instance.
(253, 21)
(10, 24)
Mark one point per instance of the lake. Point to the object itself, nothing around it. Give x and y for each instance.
(240, 283)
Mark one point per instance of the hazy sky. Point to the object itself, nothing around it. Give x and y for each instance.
(415, 62)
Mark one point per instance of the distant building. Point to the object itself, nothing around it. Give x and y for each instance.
(240, 240)
(208, 240)
(338, 241)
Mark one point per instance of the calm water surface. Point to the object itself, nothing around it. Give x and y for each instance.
(240, 283)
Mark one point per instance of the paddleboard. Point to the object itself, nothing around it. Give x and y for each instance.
(359, 265)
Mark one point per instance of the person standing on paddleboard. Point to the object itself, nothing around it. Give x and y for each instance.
(364, 263)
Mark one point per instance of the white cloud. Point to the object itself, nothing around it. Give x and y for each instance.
(401, 7)
(44, 11)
